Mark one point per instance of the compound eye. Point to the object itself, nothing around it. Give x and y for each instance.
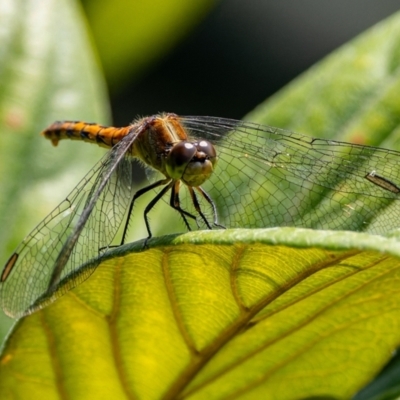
(208, 149)
(178, 159)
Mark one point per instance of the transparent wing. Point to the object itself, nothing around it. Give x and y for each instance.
(76, 231)
(264, 177)
(271, 177)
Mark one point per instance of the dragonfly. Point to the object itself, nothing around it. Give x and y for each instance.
(213, 173)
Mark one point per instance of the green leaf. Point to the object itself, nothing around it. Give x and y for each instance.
(216, 315)
(47, 72)
(351, 95)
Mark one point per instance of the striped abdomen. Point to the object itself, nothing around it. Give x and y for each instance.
(105, 136)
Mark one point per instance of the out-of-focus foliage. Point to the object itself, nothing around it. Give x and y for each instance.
(132, 34)
(47, 73)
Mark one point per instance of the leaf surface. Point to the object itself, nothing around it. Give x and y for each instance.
(231, 314)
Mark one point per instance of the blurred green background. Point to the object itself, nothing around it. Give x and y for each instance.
(221, 58)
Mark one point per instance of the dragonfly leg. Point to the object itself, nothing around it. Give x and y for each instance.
(151, 205)
(175, 204)
(197, 207)
(211, 202)
(139, 193)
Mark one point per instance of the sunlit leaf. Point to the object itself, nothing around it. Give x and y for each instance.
(232, 313)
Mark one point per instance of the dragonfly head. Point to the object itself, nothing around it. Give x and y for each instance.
(192, 162)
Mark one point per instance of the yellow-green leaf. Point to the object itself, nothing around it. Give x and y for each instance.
(238, 314)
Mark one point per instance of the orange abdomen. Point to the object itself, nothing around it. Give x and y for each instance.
(105, 136)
